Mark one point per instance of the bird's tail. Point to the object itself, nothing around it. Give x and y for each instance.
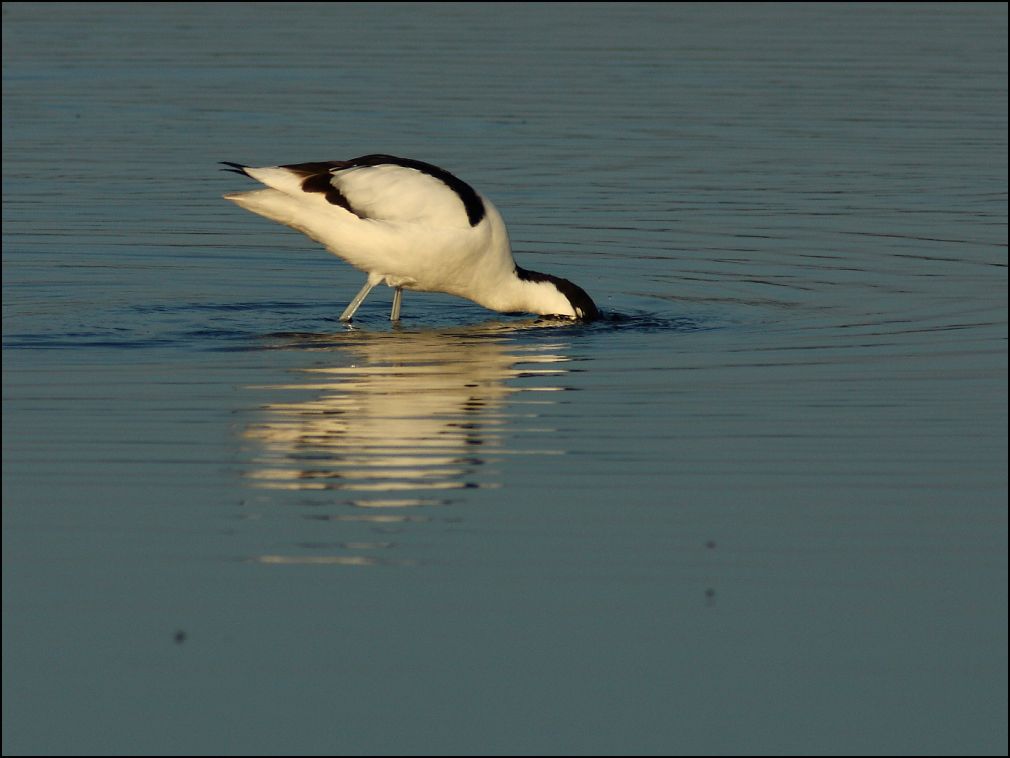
(236, 168)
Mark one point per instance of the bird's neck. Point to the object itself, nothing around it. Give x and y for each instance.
(501, 285)
(522, 291)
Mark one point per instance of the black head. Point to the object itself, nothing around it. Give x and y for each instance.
(583, 305)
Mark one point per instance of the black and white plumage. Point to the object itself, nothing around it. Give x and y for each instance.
(410, 225)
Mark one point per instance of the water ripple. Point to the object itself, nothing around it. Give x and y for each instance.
(278, 325)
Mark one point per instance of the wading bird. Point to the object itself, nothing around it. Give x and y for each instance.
(410, 225)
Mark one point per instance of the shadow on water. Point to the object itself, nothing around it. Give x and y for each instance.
(393, 421)
(400, 422)
(383, 427)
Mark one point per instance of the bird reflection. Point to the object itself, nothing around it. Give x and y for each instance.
(405, 418)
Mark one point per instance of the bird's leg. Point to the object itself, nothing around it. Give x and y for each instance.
(397, 299)
(357, 301)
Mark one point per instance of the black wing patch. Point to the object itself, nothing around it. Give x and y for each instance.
(311, 169)
(324, 183)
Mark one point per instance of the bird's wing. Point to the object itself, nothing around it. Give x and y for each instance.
(381, 188)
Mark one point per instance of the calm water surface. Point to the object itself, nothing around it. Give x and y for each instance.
(758, 508)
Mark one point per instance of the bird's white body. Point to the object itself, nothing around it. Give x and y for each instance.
(411, 226)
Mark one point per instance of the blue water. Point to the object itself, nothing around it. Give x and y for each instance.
(758, 508)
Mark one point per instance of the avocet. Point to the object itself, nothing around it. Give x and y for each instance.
(410, 225)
